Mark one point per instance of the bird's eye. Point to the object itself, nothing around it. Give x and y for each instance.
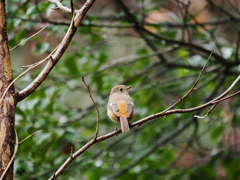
(121, 89)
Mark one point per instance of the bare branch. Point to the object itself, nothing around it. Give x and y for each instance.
(141, 121)
(95, 105)
(210, 103)
(233, 7)
(228, 90)
(76, 20)
(191, 45)
(220, 8)
(28, 38)
(193, 87)
(202, 117)
(29, 136)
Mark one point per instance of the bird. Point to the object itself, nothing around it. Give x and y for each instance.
(120, 107)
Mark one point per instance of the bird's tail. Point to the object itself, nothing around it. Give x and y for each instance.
(124, 124)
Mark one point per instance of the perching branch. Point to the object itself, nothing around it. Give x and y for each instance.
(141, 121)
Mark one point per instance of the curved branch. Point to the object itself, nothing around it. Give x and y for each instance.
(54, 58)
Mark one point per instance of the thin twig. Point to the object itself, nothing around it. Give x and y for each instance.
(193, 87)
(193, 46)
(227, 97)
(33, 65)
(202, 117)
(72, 149)
(210, 103)
(28, 38)
(29, 136)
(60, 6)
(95, 105)
(30, 67)
(138, 28)
(221, 9)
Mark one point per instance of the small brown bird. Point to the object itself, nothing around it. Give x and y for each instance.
(120, 106)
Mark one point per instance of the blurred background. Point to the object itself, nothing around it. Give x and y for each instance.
(157, 46)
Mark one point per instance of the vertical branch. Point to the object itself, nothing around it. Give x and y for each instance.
(7, 105)
(95, 105)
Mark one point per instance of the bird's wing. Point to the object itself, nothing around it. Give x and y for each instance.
(130, 106)
(114, 108)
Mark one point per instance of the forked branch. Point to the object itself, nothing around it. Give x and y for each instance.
(58, 52)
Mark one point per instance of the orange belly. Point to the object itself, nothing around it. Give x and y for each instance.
(122, 106)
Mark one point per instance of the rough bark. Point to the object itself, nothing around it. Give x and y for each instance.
(7, 106)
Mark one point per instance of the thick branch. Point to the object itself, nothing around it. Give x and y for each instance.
(58, 53)
(7, 105)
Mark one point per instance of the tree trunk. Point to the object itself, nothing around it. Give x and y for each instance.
(7, 105)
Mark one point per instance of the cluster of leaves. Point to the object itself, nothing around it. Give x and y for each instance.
(106, 54)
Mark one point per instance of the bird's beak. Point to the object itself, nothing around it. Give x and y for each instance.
(129, 87)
